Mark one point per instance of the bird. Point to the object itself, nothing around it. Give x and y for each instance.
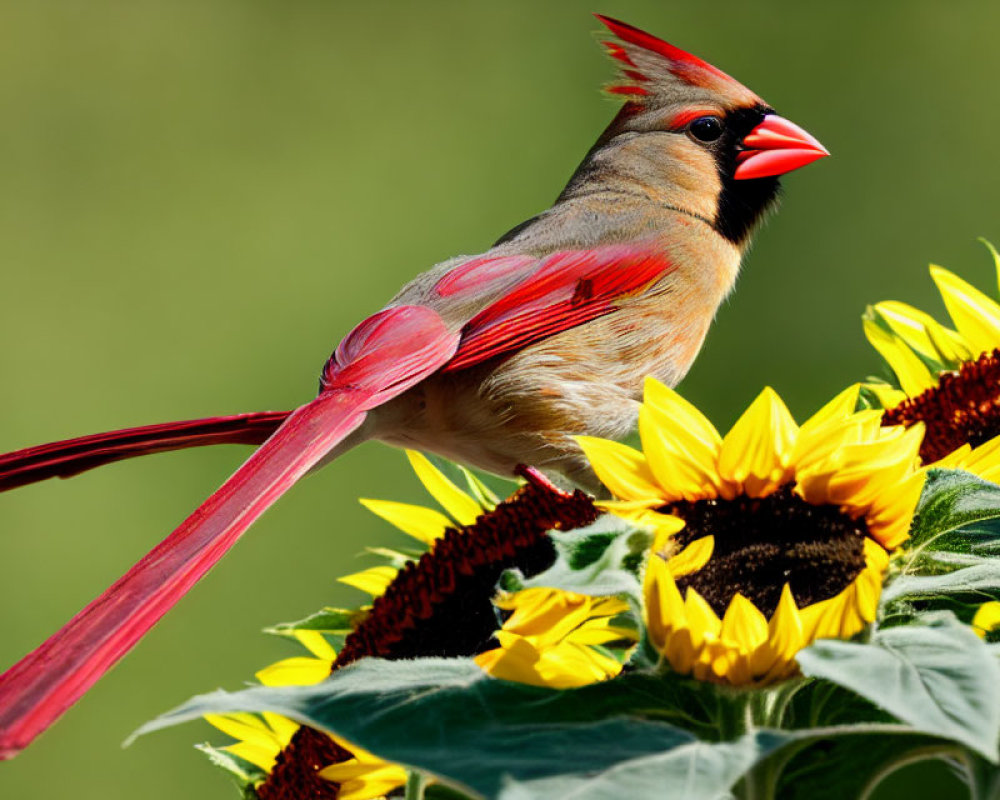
(495, 360)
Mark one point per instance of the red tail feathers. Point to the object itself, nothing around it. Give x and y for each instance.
(379, 360)
(72, 456)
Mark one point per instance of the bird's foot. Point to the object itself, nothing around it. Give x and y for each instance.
(535, 477)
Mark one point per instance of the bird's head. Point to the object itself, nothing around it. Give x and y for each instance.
(692, 136)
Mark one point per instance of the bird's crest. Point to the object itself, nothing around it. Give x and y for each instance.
(651, 67)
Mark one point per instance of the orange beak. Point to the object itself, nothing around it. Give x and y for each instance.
(774, 147)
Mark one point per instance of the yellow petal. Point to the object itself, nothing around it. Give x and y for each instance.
(912, 373)
(887, 396)
(702, 620)
(987, 618)
(364, 781)
(283, 727)
(684, 414)
(258, 755)
(957, 459)
(692, 558)
(463, 509)
(515, 660)
(684, 465)
(841, 406)
(889, 522)
(923, 333)
(785, 638)
(976, 316)
(421, 523)
(299, 671)
(952, 348)
(623, 469)
(544, 613)
(570, 665)
(591, 634)
(983, 461)
(821, 444)
(664, 607)
(316, 643)
(245, 727)
(374, 580)
(868, 583)
(607, 606)
(756, 453)
(743, 624)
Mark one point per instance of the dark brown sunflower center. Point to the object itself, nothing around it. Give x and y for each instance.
(963, 407)
(763, 543)
(295, 775)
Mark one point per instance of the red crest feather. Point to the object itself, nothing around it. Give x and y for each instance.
(652, 61)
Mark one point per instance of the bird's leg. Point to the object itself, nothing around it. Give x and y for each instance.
(535, 477)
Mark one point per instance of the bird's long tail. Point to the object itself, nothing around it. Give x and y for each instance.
(73, 456)
(380, 359)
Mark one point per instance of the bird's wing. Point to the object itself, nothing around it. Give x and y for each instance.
(560, 291)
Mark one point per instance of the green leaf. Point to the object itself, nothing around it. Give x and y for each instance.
(602, 558)
(494, 738)
(957, 512)
(327, 620)
(693, 771)
(935, 675)
(447, 717)
(982, 578)
(954, 544)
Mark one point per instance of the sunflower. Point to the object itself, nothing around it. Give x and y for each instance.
(767, 539)
(948, 378)
(267, 739)
(554, 638)
(262, 739)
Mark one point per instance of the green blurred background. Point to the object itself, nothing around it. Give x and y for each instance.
(197, 199)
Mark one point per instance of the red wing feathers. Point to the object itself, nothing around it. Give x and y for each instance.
(569, 288)
(390, 352)
(480, 275)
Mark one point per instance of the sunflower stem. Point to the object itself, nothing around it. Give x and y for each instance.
(733, 714)
(415, 785)
(747, 712)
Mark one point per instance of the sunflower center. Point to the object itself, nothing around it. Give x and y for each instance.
(295, 774)
(763, 543)
(963, 407)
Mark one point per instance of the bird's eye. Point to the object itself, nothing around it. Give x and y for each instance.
(706, 129)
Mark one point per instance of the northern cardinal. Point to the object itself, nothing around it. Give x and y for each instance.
(495, 360)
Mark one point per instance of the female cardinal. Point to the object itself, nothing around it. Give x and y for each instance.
(495, 360)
